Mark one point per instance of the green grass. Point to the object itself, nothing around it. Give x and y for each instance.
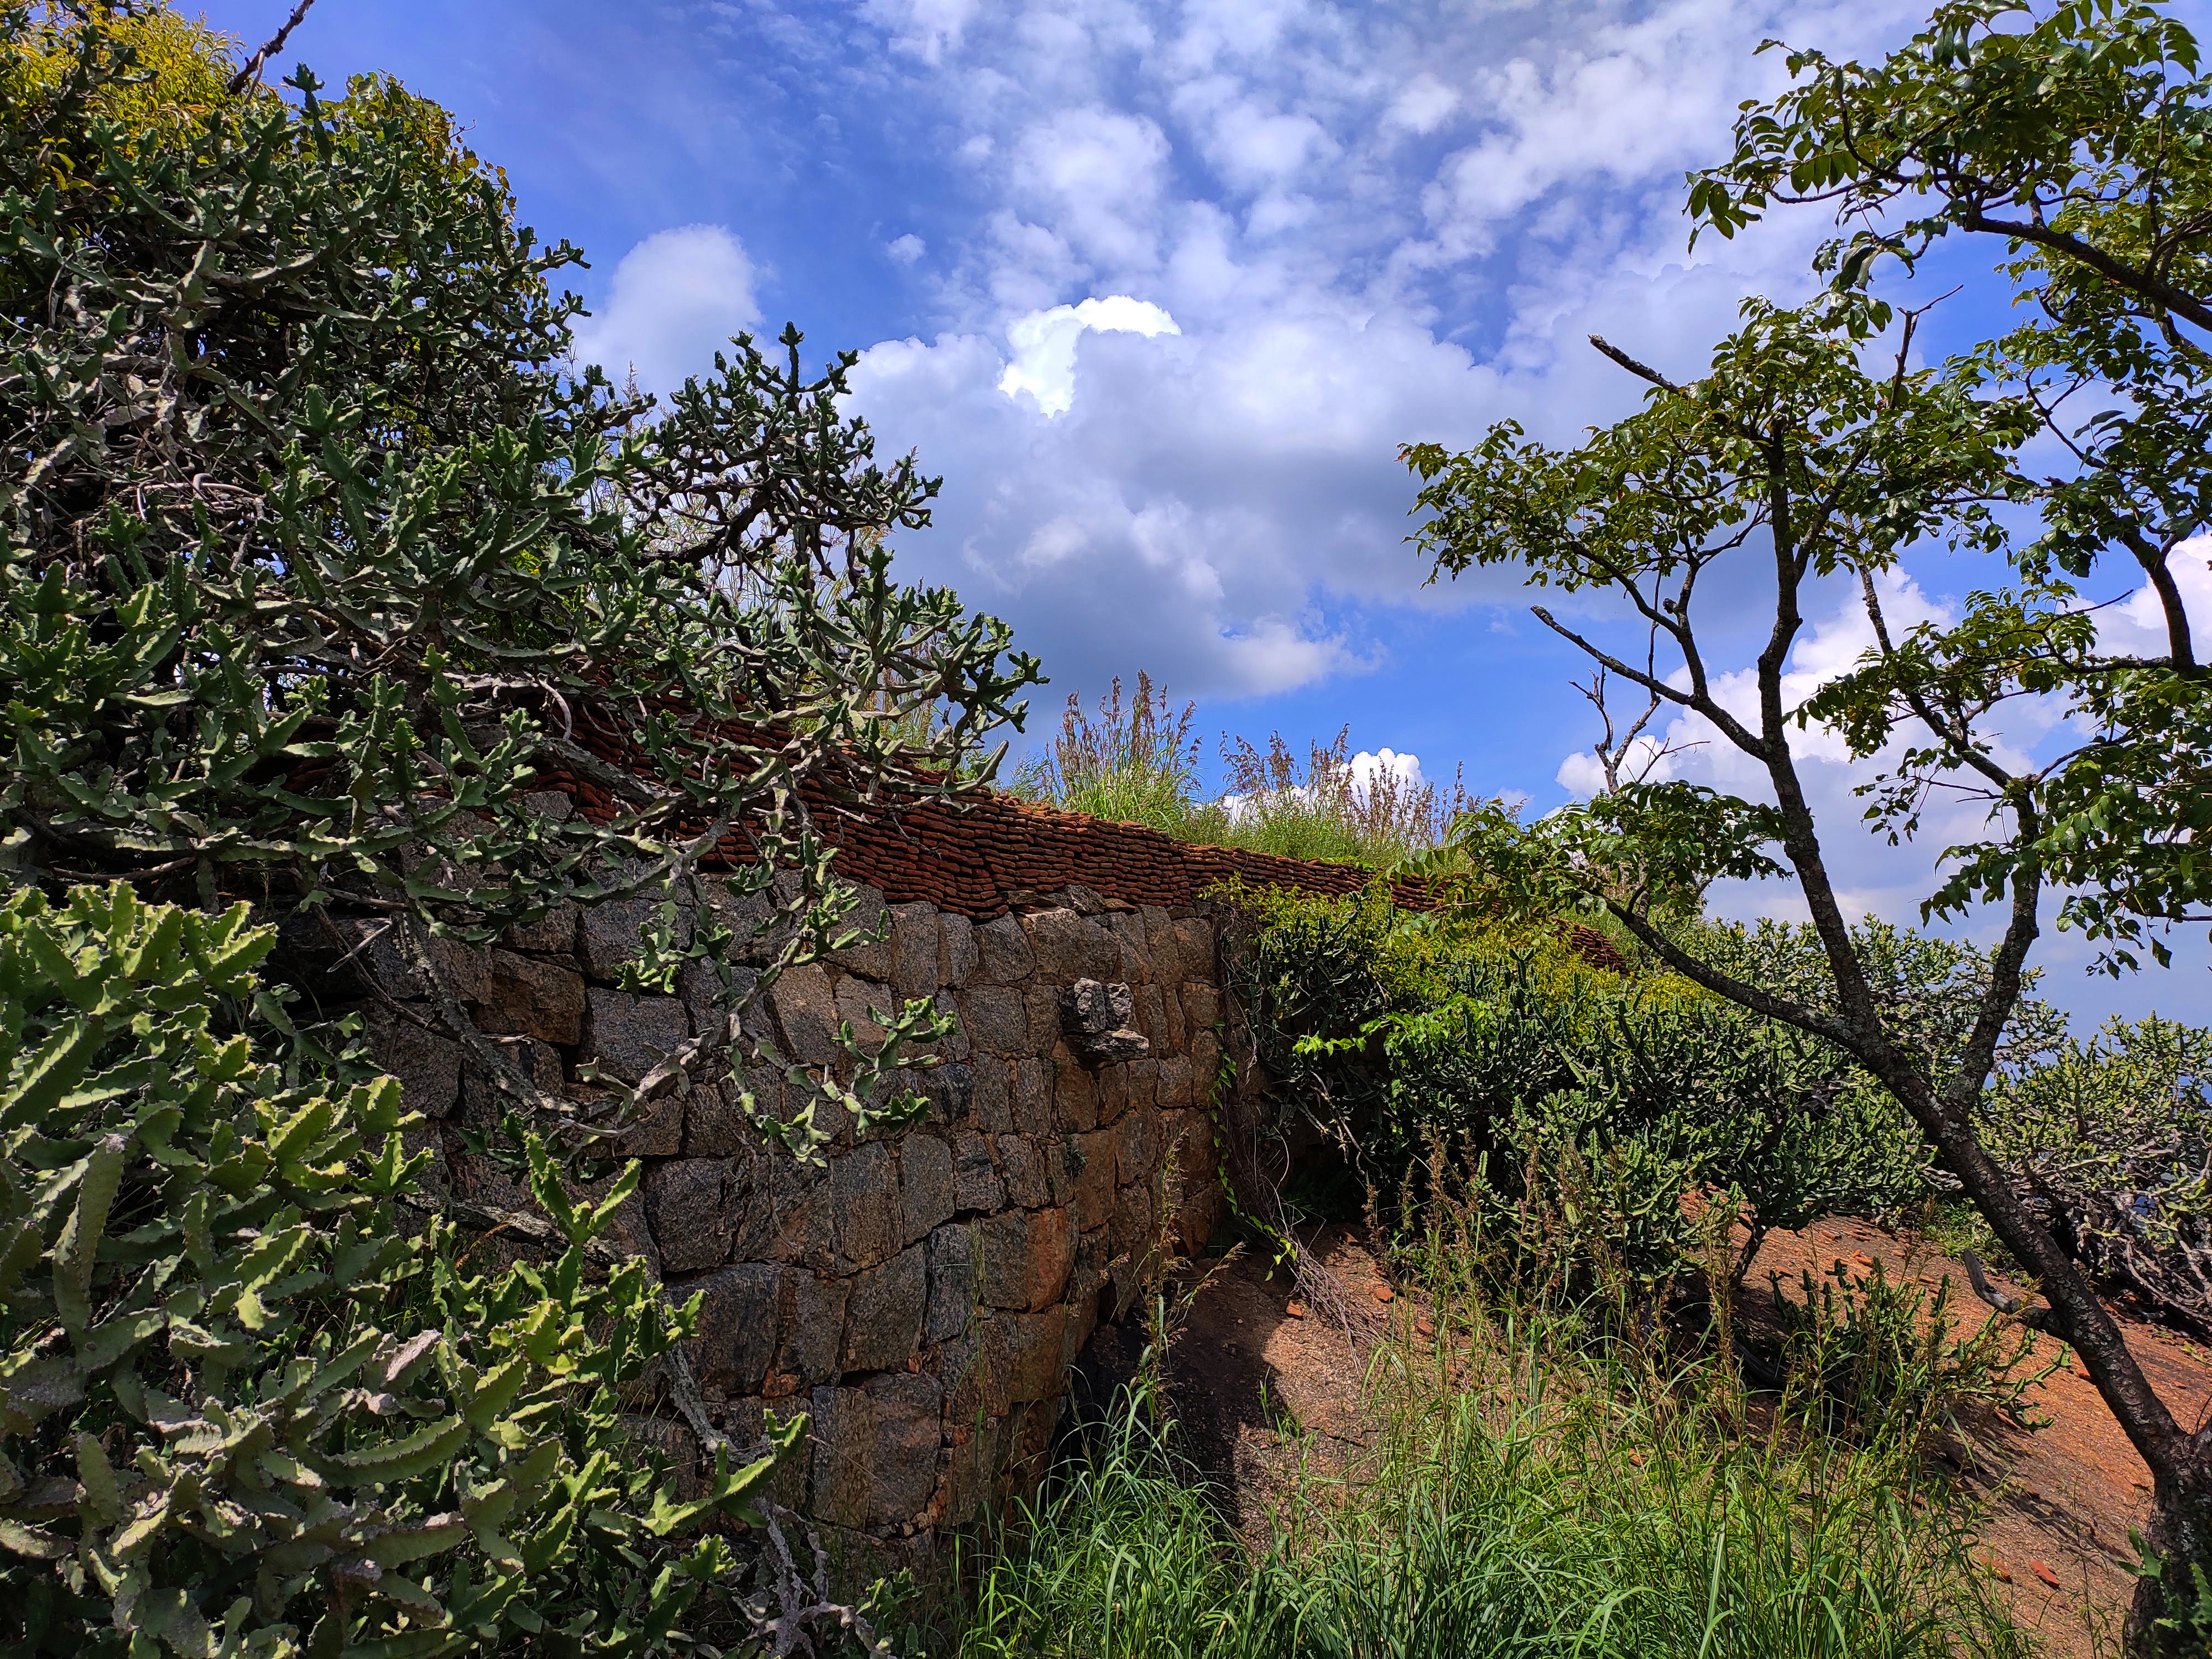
(1556, 1501)
(1137, 762)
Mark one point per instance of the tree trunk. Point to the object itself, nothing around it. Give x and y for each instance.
(2171, 1616)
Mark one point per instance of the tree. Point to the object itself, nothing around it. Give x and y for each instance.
(2079, 137)
(319, 559)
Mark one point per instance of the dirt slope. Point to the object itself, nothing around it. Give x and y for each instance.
(1245, 1365)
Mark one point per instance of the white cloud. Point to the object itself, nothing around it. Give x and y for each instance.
(1367, 767)
(1044, 344)
(676, 299)
(906, 249)
(1422, 106)
(1101, 172)
(925, 28)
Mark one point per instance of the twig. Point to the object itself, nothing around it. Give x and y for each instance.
(251, 69)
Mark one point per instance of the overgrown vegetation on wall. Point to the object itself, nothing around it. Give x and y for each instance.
(327, 585)
(1140, 762)
(247, 1408)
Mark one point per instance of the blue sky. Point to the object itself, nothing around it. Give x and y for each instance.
(1160, 288)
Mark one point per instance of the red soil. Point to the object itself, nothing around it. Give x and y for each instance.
(2061, 1496)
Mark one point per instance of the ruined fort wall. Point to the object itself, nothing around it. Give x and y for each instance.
(924, 1291)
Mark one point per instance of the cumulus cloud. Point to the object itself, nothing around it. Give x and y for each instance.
(1099, 173)
(1043, 344)
(906, 249)
(1204, 481)
(676, 298)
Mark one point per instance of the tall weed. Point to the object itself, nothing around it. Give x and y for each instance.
(1135, 763)
(1331, 808)
(1532, 1496)
(1137, 760)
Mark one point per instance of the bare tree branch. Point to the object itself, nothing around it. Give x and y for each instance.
(250, 70)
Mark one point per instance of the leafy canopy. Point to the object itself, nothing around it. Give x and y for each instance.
(319, 559)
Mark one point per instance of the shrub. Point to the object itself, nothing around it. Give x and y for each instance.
(241, 1411)
(1587, 1104)
(2113, 1135)
(1871, 1354)
(357, 568)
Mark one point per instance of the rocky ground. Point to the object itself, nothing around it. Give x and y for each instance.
(1252, 1365)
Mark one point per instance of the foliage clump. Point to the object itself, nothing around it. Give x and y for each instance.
(1139, 763)
(242, 1410)
(1589, 1104)
(319, 561)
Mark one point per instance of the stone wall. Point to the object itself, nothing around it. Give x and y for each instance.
(922, 1294)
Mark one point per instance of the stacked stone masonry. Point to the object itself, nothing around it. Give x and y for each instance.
(923, 1293)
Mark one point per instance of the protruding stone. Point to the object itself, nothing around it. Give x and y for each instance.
(972, 1369)
(883, 1316)
(426, 1063)
(629, 1035)
(1094, 1017)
